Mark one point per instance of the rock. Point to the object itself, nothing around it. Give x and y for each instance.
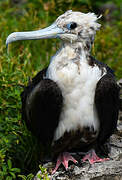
(119, 82)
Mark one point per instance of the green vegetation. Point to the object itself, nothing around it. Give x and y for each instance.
(20, 153)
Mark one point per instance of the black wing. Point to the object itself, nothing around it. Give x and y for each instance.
(107, 105)
(41, 106)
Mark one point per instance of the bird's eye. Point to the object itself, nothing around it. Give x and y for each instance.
(71, 25)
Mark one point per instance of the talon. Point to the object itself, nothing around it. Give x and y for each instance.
(93, 158)
(64, 158)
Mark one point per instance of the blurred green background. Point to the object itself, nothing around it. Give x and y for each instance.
(20, 153)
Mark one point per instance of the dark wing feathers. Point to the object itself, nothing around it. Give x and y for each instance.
(41, 107)
(107, 105)
(107, 101)
(27, 90)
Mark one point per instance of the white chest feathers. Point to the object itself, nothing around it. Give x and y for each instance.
(77, 81)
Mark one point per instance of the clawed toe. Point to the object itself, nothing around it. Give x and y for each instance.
(64, 158)
(93, 158)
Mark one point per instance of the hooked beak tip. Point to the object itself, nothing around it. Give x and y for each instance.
(11, 38)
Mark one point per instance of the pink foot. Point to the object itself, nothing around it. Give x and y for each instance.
(92, 158)
(63, 158)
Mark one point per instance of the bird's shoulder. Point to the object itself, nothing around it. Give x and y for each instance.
(32, 83)
(93, 61)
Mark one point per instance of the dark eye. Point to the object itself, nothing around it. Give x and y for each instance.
(71, 25)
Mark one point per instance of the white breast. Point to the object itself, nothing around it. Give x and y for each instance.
(77, 82)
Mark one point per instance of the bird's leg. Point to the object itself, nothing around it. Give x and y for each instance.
(92, 157)
(63, 158)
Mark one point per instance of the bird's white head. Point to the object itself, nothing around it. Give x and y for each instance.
(78, 26)
(70, 27)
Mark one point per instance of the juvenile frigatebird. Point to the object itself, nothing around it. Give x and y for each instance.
(73, 103)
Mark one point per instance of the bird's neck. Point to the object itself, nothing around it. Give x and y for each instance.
(73, 51)
(68, 53)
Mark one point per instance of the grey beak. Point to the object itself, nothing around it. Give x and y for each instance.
(50, 32)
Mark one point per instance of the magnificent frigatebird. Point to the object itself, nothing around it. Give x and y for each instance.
(73, 103)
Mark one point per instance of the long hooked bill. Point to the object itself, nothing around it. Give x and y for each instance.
(50, 32)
